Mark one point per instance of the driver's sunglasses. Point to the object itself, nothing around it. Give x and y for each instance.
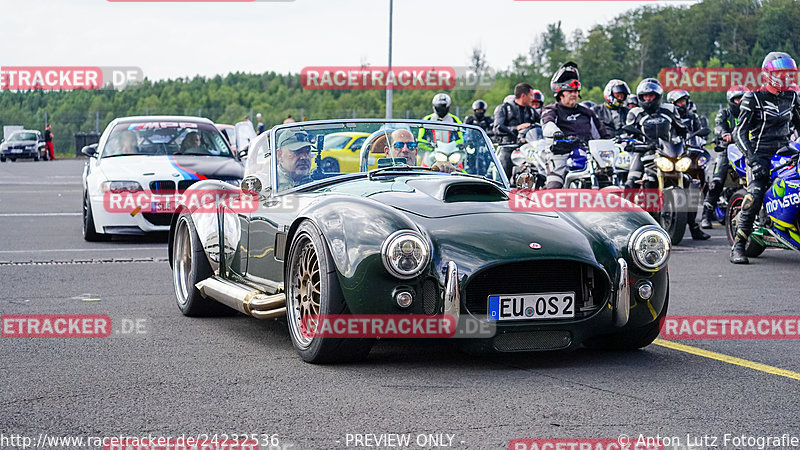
(410, 145)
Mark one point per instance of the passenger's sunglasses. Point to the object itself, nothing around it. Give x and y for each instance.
(410, 145)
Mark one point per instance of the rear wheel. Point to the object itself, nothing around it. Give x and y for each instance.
(2, 159)
(312, 290)
(189, 267)
(752, 249)
(671, 218)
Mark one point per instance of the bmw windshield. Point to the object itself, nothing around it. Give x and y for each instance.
(165, 138)
(306, 152)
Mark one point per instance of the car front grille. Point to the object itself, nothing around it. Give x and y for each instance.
(532, 341)
(184, 184)
(530, 277)
(162, 187)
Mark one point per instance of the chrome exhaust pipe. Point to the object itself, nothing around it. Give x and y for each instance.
(245, 300)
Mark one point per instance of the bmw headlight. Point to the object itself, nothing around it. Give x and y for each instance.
(405, 254)
(120, 186)
(649, 248)
(664, 164)
(683, 164)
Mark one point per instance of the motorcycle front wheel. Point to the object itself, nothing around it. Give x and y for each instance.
(673, 215)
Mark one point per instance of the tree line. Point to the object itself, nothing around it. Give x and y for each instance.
(634, 45)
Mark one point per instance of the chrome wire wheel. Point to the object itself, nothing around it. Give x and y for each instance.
(304, 292)
(182, 262)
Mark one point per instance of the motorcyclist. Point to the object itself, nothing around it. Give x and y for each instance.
(511, 120)
(614, 112)
(655, 114)
(632, 102)
(441, 113)
(723, 129)
(479, 117)
(683, 105)
(763, 129)
(566, 120)
(538, 101)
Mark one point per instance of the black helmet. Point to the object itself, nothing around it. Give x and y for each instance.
(441, 104)
(632, 101)
(479, 104)
(615, 87)
(775, 63)
(649, 86)
(674, 96)
(565, 79)
(735, 92)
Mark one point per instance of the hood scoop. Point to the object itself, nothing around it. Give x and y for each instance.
(459, 191)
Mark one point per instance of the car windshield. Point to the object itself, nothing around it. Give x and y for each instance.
(165, 138)
(309, 151)
(22, 136)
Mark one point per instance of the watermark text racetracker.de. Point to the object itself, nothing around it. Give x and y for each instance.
(731, 327)
(197, 201)
(723, 78)
(584, 200)
(68, 78)
(389, 326)
(68, 326)
(661, 442)
(423, 78)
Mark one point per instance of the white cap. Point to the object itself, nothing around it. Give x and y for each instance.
(258, 115)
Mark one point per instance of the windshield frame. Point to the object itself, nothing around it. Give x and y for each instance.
(346, 123)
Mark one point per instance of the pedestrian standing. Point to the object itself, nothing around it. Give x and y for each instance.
(48, 142)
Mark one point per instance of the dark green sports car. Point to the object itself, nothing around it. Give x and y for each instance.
(401, 247)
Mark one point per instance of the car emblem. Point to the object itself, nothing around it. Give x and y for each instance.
(176, 175)
(535, 245)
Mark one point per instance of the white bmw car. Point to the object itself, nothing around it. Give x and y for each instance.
(140, 163)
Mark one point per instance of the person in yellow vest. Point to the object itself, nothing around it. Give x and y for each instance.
(441, 113)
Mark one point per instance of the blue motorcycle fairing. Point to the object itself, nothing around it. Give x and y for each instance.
(577, 160)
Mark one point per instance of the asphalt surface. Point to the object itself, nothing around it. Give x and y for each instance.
(234, 375)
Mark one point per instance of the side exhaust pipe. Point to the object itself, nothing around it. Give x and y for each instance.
(245, 300)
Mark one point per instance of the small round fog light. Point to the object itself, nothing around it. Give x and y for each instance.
(645, 290)
(404, 299)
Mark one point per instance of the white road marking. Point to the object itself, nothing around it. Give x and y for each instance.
(37, 214)
(51, 250)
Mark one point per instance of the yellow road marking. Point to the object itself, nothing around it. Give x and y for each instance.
(728, 359)
(90, 299)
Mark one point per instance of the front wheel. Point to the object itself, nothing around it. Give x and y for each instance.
(752, 249)
(672, 218)
(90, 234)
(189, 267)
(312, 290)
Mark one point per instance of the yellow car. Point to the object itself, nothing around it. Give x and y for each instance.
(342, 151)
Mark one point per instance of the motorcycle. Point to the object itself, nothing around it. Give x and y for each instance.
(777, 224)
(677, 170)
(529, 169)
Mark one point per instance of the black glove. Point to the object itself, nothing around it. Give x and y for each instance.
(758, 170)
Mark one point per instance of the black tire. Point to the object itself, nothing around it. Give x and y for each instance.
(309, 261)
(633, 339)
(329, 165)
(189, 267)
(89, 232)
(671, 218)
(36, 157)
(2, 159)
(13, 159)
(752, 249)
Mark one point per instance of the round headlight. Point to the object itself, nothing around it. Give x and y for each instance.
(683, 164)
(455, 158)
(439, 156)
(405, 254)
(649, 248)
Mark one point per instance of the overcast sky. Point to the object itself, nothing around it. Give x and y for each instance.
(168, 40)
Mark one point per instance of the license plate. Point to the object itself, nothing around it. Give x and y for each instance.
(162, 206)
(550, 305)
(16, 150)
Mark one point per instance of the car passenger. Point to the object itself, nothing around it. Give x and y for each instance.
(404, 146)
(192, 140)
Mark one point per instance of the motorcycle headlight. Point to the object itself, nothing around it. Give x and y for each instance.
(664, 164)
(701, 161)
(455, 158)
(120, 186)
(405, 254)
(683, 164)
(439, 156)
(607, 157)
(649, 248)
